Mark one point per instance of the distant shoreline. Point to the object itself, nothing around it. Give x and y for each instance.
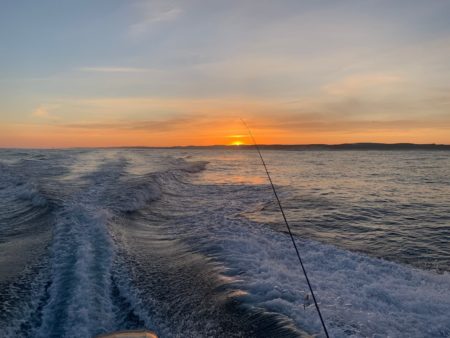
(291, 147)
(344, 146)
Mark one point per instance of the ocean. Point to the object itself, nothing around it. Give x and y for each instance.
(190, 243)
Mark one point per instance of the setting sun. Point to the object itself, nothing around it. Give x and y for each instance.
(237, 140)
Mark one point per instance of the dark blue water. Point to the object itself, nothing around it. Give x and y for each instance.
(190, 243)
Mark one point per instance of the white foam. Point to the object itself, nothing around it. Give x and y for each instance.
(192, 166)
(83, 252)
(359, 296)
(79, 303)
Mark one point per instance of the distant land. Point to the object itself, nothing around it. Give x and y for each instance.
(293, 147)
(344, 146)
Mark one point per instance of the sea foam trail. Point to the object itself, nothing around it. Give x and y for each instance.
(84, 271)
(80, 296)
(359, 296)
(79, 302)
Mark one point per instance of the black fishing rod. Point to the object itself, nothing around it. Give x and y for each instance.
(288, 228)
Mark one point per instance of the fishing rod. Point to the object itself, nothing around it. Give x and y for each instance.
(288, 227)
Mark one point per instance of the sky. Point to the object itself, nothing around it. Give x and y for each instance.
(161, 73)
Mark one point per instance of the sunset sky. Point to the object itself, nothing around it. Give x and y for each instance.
(163, 73)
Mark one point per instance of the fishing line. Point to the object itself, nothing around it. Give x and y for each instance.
(288, 227)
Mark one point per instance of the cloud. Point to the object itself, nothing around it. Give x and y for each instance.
(154, 126)
(44, 112)
(283, 123)
(355, 84)
(318, 125)
(41, 112)
(114, 69)
(151, 13)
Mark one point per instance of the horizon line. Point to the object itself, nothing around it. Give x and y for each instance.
(231, 146)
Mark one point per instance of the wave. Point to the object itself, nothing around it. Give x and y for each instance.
(79, 289)
(180, 292)
(359, 296)
(13, 187)
(191, 166)
(135, 192)
(25, 225)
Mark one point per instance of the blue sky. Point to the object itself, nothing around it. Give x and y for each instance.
(330, 70)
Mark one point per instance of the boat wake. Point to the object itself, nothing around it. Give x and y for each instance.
(123, 240)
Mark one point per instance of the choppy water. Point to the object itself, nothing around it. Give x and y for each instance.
(189, 243)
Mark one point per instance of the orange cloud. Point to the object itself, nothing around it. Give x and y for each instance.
(41, 112)
(357, 83)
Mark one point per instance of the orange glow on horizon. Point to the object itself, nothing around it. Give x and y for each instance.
(201, 122)
(218, 131)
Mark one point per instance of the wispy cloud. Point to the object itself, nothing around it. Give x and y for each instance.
(43, 112)
(356, 83)
(151, 13)
(290, 123)
(308, 124)
(154, 126)
(114, 69)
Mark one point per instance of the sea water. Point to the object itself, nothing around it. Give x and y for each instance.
(189, 242)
